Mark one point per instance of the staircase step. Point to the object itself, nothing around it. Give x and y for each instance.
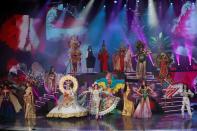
(133, 77)
(164, 107)
(178, 110)
(49, 95)
(40, 102)
(128, 73)
(47, 99)
(37, 106)
(175, 97)
(161, 103)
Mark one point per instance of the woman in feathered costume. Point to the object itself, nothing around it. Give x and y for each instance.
(110, 84)
(100, 102)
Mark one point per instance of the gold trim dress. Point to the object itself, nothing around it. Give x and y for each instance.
(29, 104)
(68, 107)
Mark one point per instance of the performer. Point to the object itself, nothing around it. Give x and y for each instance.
(9, 104)
(103, 56)
(68, 106)
(100, 102)
(128, 60)
(122, 56)
(128, 108)
(186, 102)
(51, 80)
(163, 62)
(143, 109)
(75, 53)
(116, 61)
(110, 84)
(94, 107)
(29, 103)
(90, 60)
(74, 42)
(141, 63)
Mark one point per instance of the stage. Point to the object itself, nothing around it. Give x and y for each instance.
(110, 122)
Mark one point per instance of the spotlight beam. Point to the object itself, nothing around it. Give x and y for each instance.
(152, 16)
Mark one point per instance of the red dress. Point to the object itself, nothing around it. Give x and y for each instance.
(103, 57)
(122, 62)
(163, 68)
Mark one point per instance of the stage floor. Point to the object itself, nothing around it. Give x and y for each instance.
(111, 122)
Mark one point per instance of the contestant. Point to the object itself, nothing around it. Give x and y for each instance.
(186, 102)
(103, 56)
(122, 56)
(68, 106)
(128, 60)
(110, 84)
(29, 103)
(101, 102)
(163, 62)
(90, 60)
(51, 80)
(9, 104)
(75, 54)
(128, 108)
(95, 104)
(116, 61)
(143, 109)
(141, 63)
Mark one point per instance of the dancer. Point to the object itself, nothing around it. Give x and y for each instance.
(163, 62)
(75, 54)
(110, 84)
(100, 102)
(122, 56)
(68, 105)
(116, 61)
(186, 102)
(103, 56)
(95, 104)
(9, 104)
(51, 80)
(143, 109)
(128, 108)
(90, 60)
(128, 60)
(29, 103)
(141, 63)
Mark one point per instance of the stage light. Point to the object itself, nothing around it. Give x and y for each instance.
(104, 6)
(171, 3)
(152, 16)
(138, 1)
(125, 5)
(115, 1)
(178, 59)
(84, 7)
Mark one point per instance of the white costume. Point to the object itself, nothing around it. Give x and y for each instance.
(186, 102)
(68, 106)
(71, 109)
